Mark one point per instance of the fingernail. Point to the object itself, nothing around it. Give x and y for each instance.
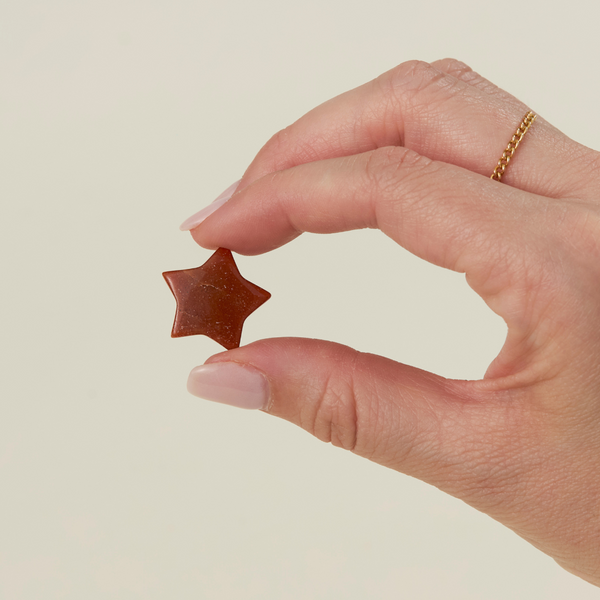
(230, 383)
(197, 218)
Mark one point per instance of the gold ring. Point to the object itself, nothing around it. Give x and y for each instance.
(528, 119)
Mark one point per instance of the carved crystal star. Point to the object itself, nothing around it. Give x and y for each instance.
(214, 300)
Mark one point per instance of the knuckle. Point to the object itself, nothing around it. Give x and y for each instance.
(275, 146)
(393, 158)
(396, 185)
(456, 68)
(450, 65)
(407, 71)
(386, 167)
(464, 74)
(268, 157)
(406, 81)
(283, 150)
(335, 418)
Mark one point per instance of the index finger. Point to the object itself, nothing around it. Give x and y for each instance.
(441, 213)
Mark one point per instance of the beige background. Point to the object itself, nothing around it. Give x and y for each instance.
(118, 119)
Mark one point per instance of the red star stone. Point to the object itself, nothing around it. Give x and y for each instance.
(214, 300)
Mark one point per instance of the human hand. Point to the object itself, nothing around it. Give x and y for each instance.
(411, 154)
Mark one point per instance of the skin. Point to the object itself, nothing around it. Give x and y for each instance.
(410, 153)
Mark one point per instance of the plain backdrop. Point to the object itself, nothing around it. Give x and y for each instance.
(120, 118)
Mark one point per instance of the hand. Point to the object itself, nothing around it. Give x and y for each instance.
(411, 153)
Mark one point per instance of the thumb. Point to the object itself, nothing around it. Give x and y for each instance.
(401, 417)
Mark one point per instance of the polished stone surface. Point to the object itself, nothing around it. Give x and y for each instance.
(214, 299)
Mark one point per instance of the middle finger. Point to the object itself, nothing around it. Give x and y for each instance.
(446, 113)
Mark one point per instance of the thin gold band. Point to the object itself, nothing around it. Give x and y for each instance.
(528, 119)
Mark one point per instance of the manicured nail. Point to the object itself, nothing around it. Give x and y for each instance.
(197, 218)
(230, 383)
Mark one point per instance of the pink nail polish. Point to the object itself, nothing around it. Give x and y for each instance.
(230, 383)
(200, 216)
